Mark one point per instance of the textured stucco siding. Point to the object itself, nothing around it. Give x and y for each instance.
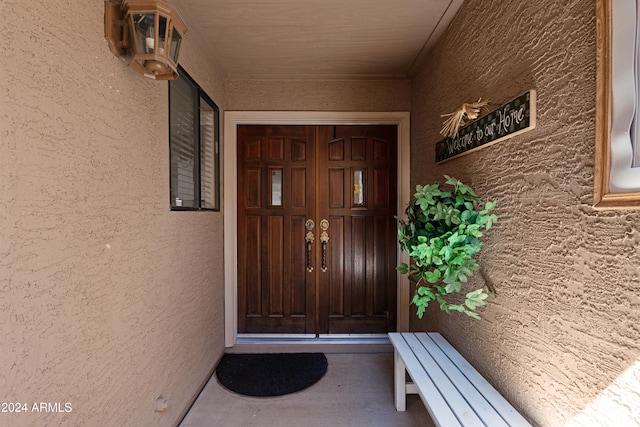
(107, 298)
(321, 95)
(562, 338)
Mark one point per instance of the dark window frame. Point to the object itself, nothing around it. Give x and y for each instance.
(199, 95)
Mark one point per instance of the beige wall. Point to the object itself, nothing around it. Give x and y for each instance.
(561, 339)
(107, 299)
(326, 95)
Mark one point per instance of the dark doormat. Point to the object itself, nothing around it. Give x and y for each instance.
(272, 374)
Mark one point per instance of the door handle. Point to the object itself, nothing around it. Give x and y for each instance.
(324, 240)
(309, 238)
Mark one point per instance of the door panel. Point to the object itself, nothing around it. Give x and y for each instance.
(290, 174)
(276, 186)
(357, 294)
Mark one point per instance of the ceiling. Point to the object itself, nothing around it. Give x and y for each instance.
(317, 39)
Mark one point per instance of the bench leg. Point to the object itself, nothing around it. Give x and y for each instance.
(399, 379)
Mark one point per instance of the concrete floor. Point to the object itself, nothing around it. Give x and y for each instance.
(357, 390)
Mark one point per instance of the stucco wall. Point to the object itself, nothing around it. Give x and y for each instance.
(107, 298)
(561, 340)
(322, 95)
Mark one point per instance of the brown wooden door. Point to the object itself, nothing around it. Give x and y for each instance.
(276, 293)
(344, 280)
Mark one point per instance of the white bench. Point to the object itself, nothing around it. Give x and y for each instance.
(454, 393)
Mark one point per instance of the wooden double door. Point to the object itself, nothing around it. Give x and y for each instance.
(316, 229)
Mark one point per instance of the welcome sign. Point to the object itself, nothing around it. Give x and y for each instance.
(513, 118)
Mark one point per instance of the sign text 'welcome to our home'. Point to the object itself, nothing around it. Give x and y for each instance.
(513, 118)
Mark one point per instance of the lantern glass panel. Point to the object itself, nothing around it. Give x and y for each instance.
(162, 33)
(176, 38)
(144, 32)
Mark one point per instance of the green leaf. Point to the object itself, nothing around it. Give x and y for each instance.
(453, 287)
(472, 314)
(444, 307)
(451, 181)
(446, 254)
(403, 268)
(476, 298)
(456, 307)
(474, 230)
(432, 276)
(459, 238)
(491, 219)
(424, 291)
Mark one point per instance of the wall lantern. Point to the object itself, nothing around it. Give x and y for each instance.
(149, 30)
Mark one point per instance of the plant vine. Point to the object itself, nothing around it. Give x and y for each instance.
(442, 235)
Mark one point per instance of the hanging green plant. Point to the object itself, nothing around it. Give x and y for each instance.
(441, 236)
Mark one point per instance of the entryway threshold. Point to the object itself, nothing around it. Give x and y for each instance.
(285, 343)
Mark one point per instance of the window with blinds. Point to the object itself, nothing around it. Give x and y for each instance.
(194, 146)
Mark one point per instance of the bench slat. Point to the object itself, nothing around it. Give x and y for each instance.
(477, 400)
(456, 401)
(435, 404)
(452, 390)
(504, 408)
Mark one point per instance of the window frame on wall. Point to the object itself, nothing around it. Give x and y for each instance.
(194, 147)
(613, 168)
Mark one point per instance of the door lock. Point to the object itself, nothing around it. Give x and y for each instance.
(309, 238)
(324, 240)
